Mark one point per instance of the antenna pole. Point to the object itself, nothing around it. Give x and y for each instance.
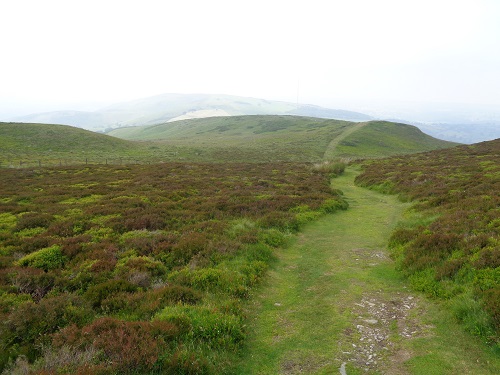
(298, 88)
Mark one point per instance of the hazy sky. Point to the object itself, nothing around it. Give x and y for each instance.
(329, 51)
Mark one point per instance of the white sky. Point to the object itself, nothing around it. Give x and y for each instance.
(334, 51)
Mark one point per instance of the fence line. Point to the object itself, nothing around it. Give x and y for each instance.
(42, 163)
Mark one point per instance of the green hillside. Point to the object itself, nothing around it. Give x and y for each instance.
(216, 139)
(33, 143)
(61, 138)
(383, 138)
(264, 138)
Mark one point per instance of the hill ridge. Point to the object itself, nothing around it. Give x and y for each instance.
(164, 107)
(223, 139)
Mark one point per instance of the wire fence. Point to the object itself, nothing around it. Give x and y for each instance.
(44, 163)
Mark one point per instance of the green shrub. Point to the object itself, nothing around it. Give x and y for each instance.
(403, 235)
(332, 205)
(47, 258)
(143, 305)
(7, 221)
(185, 362)
(487, 278)
(253, 271)
(29, 325)
(471, 314)
(307, 216)
(449, 268)
(202, 279)
(258, 251)
(424, 281)
(214, 329)
(272, 237)
(491, 302)
(284, 221)
(9, 301)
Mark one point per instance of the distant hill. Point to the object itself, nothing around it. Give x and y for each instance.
(472, 132)
(33, 143)
(265, 138)
(162, 108)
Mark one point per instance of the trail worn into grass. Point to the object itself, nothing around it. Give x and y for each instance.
(333, 303)
(330, 150)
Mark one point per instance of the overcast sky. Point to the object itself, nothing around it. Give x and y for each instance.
(329, 52)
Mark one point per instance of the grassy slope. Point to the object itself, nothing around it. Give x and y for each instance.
(42, 138)
(253, 138)
(308, 315)
(285, 137)
(219, 139)
(29, 144)
(382, 138)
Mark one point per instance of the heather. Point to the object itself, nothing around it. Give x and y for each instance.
(449, 246)
(116, 269)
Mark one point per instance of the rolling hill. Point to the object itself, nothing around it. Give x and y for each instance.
(56, 138)
(383, 138)
(295, 138)
(162, 108)
(32, 144)
(216, 139)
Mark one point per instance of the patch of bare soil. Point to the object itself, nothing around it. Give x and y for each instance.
(301, 366)
(382, 322)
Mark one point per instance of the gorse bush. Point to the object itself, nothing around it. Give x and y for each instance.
(455, 254)
(142, 268)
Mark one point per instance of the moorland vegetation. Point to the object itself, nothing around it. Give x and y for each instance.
(449, 246)
(142, 268)
(124, 256)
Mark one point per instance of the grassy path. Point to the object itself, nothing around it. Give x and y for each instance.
(330, 150)
(333, 300)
